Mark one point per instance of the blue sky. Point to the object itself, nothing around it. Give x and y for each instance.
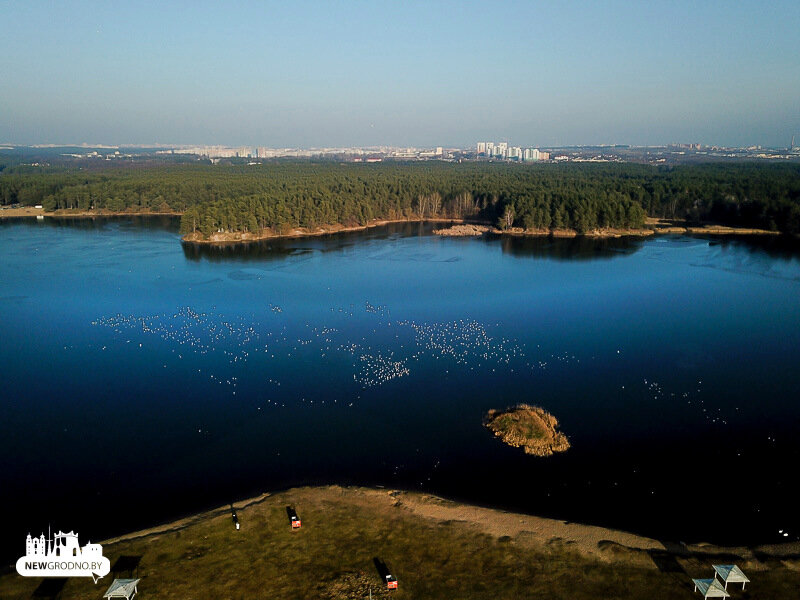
(411, 73)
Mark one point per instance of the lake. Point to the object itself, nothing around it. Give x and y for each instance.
(144, 380)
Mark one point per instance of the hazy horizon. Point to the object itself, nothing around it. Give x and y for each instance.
(166, 146)
(447, 74)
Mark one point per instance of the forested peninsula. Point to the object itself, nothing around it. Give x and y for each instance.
(275, 198)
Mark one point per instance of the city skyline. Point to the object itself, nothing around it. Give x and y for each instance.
(355, 75)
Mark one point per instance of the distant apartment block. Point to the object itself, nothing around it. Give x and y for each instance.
(365, 154)
(502, 150)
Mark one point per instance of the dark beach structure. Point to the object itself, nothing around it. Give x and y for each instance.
(293, 518)
(389, 580)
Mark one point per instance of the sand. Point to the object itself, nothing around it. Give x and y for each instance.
(29, 211)
(16, 213)
(465, 230)
(238, 237)
(588, 540)
(436, 548)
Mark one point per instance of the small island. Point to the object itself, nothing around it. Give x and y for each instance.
(529, 427)
(465, 230)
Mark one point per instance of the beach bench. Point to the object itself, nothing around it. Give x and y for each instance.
(730, 574)
(710, 588)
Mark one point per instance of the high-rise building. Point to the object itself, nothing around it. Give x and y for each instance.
(504, 151)
(534, 154)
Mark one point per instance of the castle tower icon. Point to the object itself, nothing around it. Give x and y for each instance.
(62, 545)
(66, 545)
(35, 546)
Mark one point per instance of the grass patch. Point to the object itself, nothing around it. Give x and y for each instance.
(331, 556)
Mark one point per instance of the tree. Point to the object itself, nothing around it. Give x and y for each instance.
(507, 220)
(436, 203)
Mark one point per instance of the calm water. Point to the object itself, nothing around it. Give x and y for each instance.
(144, 380)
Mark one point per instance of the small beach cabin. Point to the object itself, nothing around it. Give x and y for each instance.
(389, 580)
(122, 588)
(710, 588)
(293, 518)
(730, 574)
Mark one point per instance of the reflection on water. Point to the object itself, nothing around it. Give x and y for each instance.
(577, 248)
(278, 248)
(106, 223)
(545, 247)
(772, 246)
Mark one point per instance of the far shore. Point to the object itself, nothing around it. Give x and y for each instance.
(456, 228)
(469, 228)
(652, 227)
(29, 211)
(436, 548)
(237, 237)
(464, 228)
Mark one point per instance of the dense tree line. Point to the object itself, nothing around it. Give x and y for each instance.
(284, 195)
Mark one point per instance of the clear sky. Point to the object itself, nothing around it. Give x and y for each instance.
(412, 73)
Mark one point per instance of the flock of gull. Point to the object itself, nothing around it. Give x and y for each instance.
(711, 414)
(377, 370)
(191, 331)
(385, 354)
(387, 351)
(463, 341)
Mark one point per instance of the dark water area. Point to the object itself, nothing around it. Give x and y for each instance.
(145, 379)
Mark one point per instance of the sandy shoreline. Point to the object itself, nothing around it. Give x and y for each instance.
(461, 228)
(654, 227)
(589, 540)
(19, 213)
(437, 548)
(457, 228)
(238, 237)
(29, 211)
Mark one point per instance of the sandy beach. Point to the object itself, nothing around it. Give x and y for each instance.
(29, 211)
(22, 212)
(652, 227)
(296, 232)
(459, 228)
(436, 548)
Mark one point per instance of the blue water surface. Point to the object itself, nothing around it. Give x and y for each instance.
(144, 379)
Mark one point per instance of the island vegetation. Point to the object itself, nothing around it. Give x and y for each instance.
(528, 427)
(277, 198)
